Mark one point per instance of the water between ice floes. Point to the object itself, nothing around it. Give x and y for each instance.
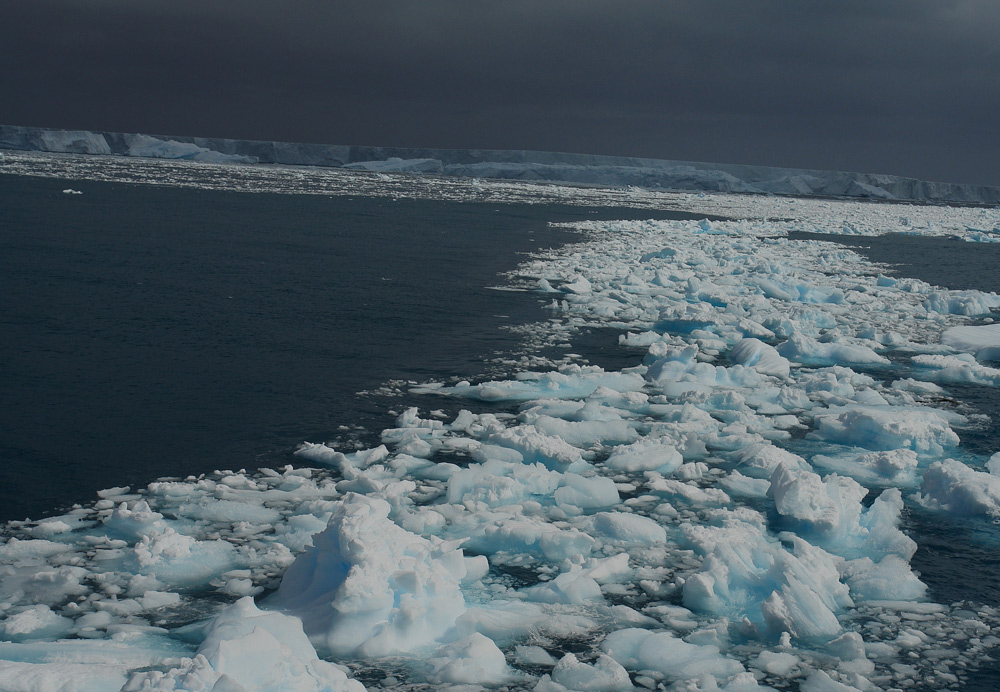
(153, 331)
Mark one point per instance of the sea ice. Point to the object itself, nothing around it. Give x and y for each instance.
(968, 303)
(802, 349)
(953, 486)
(473, 660)
(571, 508)
(368, 587)
(960, 368)
(925, 431)
(759, 356)
(249, 649)
(747, 577)
(669, 657)
(983, 340)
(572, 383)
(645, 455)
(604, 675)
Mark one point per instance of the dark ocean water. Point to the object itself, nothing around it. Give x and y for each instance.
(150, 331)
(946, 262)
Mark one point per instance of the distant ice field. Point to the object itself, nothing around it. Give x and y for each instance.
(785, 475)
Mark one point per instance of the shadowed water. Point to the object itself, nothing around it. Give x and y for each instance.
(150, 331)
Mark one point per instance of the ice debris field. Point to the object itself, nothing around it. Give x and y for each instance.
(724, 514)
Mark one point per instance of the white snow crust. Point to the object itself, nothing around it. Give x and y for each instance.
(983, 340)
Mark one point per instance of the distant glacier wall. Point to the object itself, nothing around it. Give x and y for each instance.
(512, 165)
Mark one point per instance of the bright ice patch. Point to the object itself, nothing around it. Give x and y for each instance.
(984, 340)
(246, 648)
(368, 587)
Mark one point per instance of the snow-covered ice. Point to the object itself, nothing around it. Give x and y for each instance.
(982, 340)
(726, 513)
(368, 587)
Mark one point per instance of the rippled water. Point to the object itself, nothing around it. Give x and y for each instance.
(149, 331)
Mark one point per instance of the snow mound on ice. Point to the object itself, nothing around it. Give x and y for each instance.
(368, 587)
(252, 650)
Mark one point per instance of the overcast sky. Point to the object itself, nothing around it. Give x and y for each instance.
(909, 87)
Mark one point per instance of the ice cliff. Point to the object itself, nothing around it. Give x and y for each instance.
(588, 169)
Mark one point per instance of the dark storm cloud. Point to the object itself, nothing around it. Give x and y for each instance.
(908, 87)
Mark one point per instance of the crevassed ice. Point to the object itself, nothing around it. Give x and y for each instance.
(724, 514)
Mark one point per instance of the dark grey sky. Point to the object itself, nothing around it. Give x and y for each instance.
(910, 87)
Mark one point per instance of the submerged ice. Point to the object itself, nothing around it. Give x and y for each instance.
(727, 513)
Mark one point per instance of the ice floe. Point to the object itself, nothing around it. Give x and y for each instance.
(983, 340)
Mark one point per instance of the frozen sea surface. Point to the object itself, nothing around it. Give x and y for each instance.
(743, 497)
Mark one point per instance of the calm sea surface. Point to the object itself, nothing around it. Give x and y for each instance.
(150, 331)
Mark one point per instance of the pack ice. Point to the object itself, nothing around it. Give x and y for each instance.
(726, 513)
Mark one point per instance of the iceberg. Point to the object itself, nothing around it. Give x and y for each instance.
(397, 165)
(153, 147)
